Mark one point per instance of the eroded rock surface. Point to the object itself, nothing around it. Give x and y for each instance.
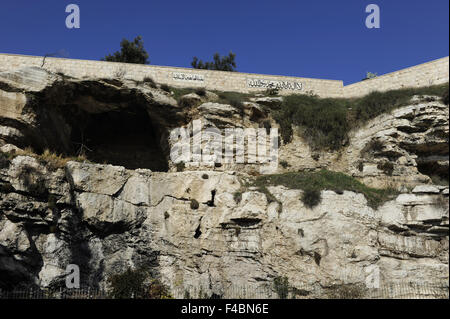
(106, 218)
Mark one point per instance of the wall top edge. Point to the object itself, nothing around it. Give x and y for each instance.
(397, 71)
(171, 67)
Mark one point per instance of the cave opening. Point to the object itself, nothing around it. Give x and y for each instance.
(125, 136)
(437, 170)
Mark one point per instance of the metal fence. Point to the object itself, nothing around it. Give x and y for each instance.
(386, 291)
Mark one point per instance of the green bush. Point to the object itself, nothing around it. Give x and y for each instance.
(281, 286)
(128, 284)
(377, 103)
(137, 284)
(324, 121)
(237, 196)
(311, 197)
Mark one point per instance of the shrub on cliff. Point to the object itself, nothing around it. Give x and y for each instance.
(281, 287)
(136, 284)
(311, 197)
(130, 52)
(325, 122)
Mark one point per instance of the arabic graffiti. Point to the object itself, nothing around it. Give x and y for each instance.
(281, 85)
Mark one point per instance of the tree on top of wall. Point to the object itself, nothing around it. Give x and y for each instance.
(225, 63)
(130, 52)
(370, 75)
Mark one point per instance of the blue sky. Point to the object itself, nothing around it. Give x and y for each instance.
(319, 39)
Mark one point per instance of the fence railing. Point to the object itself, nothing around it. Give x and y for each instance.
(386, 291)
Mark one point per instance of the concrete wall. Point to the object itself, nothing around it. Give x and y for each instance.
(433, 72)
(181, 77)
(430, 73)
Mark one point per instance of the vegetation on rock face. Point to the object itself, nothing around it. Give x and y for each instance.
(370, 75)
(237, 196)
(52, 160)
(235, 99)
(326, 122)
(219, 63)
(130, 52)
(137, 284)
(311, 197)
(281, 287)
(322, 180)
(349, 291)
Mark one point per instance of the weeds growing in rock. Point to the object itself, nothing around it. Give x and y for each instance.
(237, 196)
(325, 122)
(281, 287)
(136, 284)
(311, 197)
(322, 180)
(349, 291)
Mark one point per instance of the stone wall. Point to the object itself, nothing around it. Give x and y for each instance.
(430, 73)
(181, 77)
(433, 72)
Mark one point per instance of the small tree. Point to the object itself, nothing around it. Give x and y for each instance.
(130, 52)
(137, 284)
(225, 63)
(370, 75)
(281, 286)
(128, 284)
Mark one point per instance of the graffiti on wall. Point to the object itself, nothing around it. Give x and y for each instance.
(188, 77)
(281, 85)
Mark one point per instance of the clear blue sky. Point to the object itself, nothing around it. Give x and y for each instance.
(315, 38)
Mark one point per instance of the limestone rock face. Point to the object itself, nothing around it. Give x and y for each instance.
(128, 205)
(145, 219)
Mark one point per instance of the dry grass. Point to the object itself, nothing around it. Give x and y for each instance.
(48, 158)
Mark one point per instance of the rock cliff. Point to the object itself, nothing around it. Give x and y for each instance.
(123, 203)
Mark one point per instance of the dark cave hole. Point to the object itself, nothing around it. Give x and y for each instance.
(125, 137)
(198, 232)
(438, 173)
(210, 203)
